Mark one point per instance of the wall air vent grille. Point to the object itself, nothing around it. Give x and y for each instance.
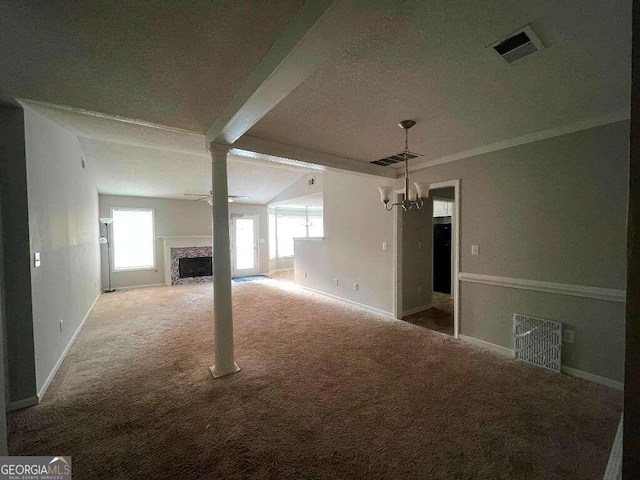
(393, 159)
(518, 45)
(538, 341)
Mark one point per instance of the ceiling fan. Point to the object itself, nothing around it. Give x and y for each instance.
(209, 197)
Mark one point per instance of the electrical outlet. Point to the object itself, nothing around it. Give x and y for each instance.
(356, 286)
(474, 250)
(385, 245)
(567, 336)
(335, 282)
(306, 275)
(61, 326)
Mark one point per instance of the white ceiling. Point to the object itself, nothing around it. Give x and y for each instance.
(121, 169)
(312, 200)
(430, 64)
(179, 64)
(170, 63)
(137, 160)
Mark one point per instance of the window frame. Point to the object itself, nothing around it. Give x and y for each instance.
(153, 240)
(275, 233)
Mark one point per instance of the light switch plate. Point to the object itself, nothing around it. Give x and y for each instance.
(36, 259)
(474, 249)
(385, 245)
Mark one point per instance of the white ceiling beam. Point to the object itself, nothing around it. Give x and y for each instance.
(309, 39)
(291, 155)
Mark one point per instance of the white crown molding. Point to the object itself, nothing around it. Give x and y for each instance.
(598, 293)
(270, 151)
(617, 116)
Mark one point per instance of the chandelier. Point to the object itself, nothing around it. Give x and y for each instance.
(413, 197)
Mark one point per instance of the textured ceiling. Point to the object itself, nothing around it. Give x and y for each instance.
(179, 63)
(171, 63)
(312, 200)
(136, 160)
(121, 169)
(430, 64)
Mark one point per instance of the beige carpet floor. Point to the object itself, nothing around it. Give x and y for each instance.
(326, 391)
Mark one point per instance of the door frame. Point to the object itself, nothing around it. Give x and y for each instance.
(397, 258)
(256, 248)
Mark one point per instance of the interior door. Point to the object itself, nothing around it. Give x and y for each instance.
(244, 245)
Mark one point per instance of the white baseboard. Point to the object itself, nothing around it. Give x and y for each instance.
(574, 372)
(607, 382)
(141, 286)
(24, 403)
(507, 352)
(411, 311)
(58, 364)
(271, 272)
(614, 467)
(377, 311)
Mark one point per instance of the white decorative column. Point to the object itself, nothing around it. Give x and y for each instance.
(222, 306)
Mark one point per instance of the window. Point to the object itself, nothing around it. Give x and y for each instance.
(288, 227)
(315, 225)
(442, 208)
(287, 223)
(133, 238)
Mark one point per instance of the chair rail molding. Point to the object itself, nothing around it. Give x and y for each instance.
(585, 291)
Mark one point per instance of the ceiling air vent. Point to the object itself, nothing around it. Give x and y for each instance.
(393, 159)
(520, 44)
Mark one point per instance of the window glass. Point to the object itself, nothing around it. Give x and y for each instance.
(442, 208)
(289, 227)
(272, 236)
(133, 244)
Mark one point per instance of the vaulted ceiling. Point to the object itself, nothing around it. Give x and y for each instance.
(178, 64)
(171, 63)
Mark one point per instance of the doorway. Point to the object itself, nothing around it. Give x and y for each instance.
(427, 257)
(244, 245)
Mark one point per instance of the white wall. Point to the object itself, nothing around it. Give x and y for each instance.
(63, 227)
(355, 226)
(301, 188)
(176, 218)
(552, 210)
(16, 270)
(417, 258)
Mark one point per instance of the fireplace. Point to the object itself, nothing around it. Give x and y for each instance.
(195, 267)
(191, 265)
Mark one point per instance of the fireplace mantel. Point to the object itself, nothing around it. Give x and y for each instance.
(181, 242)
